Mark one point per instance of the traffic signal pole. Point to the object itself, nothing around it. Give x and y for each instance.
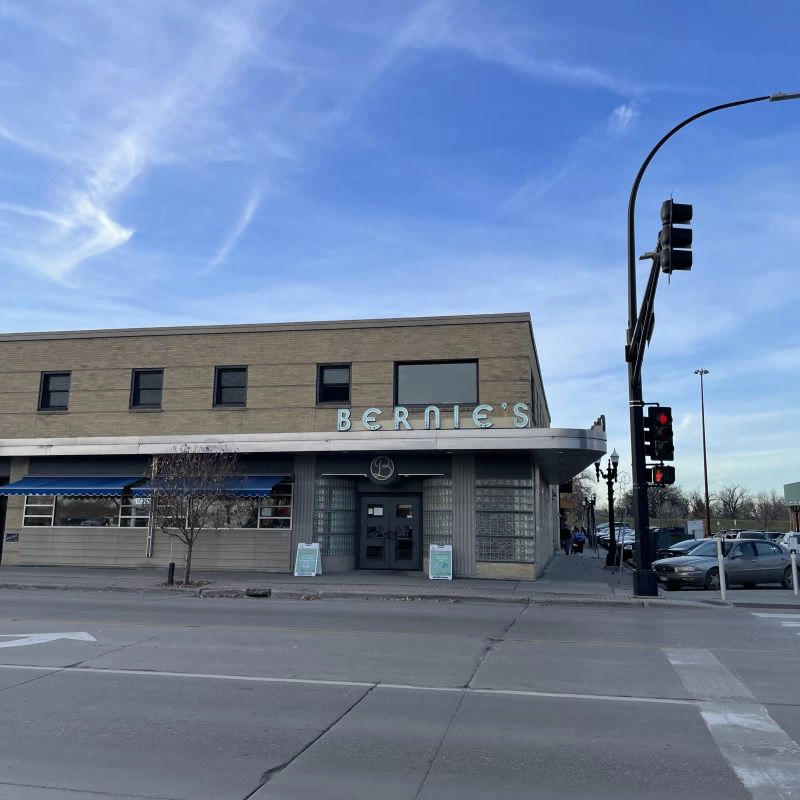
(645, 583)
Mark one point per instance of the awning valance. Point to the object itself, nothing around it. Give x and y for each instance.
(84, 486)
(240, 486)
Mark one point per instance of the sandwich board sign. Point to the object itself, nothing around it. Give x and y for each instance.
(308, 561)
(440, 562)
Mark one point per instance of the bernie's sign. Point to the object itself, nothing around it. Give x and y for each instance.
(432, 418)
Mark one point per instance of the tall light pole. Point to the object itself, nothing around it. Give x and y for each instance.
(702, 372)
(645, 583)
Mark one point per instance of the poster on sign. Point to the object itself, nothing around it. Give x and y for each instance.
(440, 562)
(308, 561)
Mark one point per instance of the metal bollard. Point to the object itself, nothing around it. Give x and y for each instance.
(171, 573)
(721, 565)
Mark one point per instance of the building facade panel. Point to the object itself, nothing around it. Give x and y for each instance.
(374, 484)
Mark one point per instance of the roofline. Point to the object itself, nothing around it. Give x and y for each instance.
(264, 327)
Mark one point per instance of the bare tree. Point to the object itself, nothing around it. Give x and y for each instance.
(768, 507)
(189, 495)
(697, 504)
(583, 487)
(732, 500)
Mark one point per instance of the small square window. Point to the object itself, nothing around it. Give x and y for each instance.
(230, 386)
(146, 386)
(54, 392)
(333, 383)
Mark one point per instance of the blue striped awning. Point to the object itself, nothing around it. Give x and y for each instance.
(240, 486)
(83, 486)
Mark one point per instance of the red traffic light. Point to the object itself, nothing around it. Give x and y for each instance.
(661, 475)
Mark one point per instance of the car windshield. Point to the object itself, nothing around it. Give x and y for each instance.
(709, 548)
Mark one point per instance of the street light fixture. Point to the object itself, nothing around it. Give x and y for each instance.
(645, 583)
(702, 372)
(609, 475)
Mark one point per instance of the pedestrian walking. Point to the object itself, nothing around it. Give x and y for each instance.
(565, 538)
(580, 540)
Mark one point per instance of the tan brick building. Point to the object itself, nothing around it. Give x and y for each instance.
(375, 438)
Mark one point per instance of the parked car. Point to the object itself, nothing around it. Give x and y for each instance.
(751, 534)
(744, 533)
(746, 561)
(679, 548)
(785, 540)
(620, 532)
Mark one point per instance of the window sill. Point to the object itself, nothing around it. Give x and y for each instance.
(229, 408)
(146, 410)
(52, 411)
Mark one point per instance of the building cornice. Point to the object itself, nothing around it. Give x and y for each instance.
(274, 327)
(560, 453)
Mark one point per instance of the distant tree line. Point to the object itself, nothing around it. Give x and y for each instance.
(672, 505)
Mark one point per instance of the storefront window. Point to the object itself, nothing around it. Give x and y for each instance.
(267, 513)
(87, 511)
(39, 510)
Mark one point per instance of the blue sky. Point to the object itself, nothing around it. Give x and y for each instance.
(201, 162)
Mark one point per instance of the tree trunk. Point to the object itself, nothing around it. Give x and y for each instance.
(188, 568)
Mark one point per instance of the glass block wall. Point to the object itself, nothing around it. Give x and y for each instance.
(335, 526)
(505, 525)
(437, 512)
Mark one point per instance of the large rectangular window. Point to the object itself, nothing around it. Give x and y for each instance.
(436, 383)
(273, 512)
(230, 386)
(54, 391)
(333, 383)
(146, 387)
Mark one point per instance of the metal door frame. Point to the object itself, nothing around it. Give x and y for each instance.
(361, 496)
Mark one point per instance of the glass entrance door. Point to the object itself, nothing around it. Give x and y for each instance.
(390, 532)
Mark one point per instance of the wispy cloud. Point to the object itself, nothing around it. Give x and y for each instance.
(250, 208)
(444, 25)
(155, 113)
(622, 117)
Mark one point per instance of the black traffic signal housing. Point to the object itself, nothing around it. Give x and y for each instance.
(675, 243)
(660, 475)
(658, 434)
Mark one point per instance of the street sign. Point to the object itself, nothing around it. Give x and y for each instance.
(308, 561)
(440, 562)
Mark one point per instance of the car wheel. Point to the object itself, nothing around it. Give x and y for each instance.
(787, 582)
(673, 586)
(712, 580)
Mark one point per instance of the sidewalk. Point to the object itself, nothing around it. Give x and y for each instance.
(568, 580)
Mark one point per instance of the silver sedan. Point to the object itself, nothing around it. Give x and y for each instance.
(746, 562)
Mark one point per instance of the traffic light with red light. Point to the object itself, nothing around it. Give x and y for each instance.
(675, 243)
(658, 434)
(661, 475)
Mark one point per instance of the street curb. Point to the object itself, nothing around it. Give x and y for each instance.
(308, 592)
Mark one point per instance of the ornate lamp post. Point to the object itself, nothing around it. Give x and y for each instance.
(702, 372)
(588, 504)
(609, 475)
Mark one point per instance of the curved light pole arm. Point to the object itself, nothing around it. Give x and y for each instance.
(632, 314)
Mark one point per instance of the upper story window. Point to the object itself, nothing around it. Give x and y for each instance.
(230, 386)
(54, 391)
(146, 386)
(436, 383)
(333, 383)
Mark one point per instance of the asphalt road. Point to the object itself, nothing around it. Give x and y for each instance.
(223, 699)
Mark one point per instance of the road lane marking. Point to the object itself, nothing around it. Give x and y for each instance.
(356, 684)
(23, 639)
(763, 756)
